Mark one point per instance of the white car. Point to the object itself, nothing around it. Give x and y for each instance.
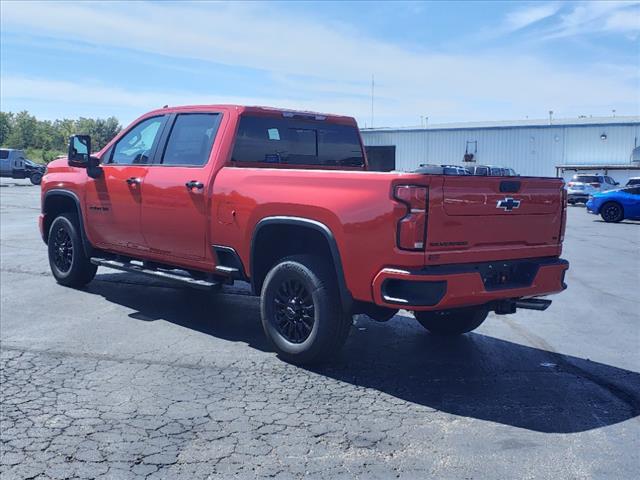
(581, 186)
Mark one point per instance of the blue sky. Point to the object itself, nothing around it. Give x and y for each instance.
(455, 61)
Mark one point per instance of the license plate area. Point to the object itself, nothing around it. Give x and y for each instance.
(505, 275)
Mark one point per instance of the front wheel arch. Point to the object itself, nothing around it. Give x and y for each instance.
(55, 203)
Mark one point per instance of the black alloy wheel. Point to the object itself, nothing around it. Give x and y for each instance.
(611, 212)
(62, 250)
(68, 260)
(294, 311)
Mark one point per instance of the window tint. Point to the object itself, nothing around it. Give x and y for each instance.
(632, 190)
(4, 154)
(191, 138)
(135, 147)
(296, 141)
(587, 178)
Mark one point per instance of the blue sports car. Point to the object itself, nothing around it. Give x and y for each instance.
(616, 205)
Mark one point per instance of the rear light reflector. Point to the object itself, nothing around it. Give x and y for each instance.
(412, 228)
(563, 215)
(595, 184)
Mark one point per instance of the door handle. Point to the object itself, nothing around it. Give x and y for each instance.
(133, 181)
(194, 184)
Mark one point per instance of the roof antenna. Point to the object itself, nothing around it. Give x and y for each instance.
(372, 90)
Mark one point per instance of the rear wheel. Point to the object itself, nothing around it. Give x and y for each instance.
(69, 264)
(452, 322)
(301, 311)
(612, 212)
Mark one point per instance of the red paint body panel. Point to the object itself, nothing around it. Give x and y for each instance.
(162, 220)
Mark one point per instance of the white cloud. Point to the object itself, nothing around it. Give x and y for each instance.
(620, 17)
(316, 66)
(522, 18)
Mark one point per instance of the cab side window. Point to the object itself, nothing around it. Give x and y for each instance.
(136, 146)
(191, 139)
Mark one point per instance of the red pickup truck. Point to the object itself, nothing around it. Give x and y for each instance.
(206, 195)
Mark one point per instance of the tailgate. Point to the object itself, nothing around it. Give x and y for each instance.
(504, 217)
(492, 196)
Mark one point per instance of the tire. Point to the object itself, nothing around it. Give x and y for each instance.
(612, 212)
(452, 322)
(69, 263)
(301, 311)
(36, 178)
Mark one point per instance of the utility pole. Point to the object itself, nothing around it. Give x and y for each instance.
(372, 92)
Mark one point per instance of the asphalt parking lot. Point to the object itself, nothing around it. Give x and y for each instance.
(131, 378)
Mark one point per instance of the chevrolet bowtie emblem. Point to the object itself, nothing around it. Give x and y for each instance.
(508, 204)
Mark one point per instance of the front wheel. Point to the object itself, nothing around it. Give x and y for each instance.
(69, 263)
(612, 212)
(36, 178)
(452, 322)
(301, 311)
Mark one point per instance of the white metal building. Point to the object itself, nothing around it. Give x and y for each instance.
(531, 147)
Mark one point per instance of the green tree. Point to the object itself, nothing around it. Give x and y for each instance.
(23, 131)
(48, 139)
(6, 120)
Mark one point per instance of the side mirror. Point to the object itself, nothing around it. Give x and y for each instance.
(79, 150)
(80, 155)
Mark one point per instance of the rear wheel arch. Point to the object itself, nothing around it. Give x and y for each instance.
(276, 238)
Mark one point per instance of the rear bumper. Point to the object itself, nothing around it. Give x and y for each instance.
(450, 286)
(577, 197)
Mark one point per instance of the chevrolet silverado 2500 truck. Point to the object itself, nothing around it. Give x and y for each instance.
(205, 195)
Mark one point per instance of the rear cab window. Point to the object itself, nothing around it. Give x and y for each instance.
(296, 141)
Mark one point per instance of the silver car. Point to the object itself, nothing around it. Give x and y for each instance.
(581, 186)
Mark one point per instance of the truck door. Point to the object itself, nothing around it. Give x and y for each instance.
(175, 195)
(113, 201)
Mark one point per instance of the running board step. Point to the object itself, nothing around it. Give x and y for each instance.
(172, 277)
(227, 270)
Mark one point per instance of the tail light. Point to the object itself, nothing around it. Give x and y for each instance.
(595, 184)
(412, 228)
(570, 184)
